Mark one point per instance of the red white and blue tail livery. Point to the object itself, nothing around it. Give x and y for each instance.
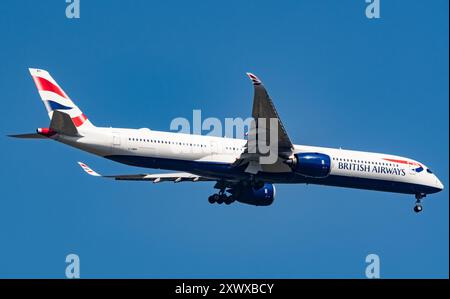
(54, 98)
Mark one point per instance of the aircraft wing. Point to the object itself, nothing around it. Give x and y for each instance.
(263, 110)
(175, 177)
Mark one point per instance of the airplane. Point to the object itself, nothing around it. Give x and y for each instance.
(236, 170)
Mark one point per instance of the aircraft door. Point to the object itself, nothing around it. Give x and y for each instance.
(116, 140)
(214, 149)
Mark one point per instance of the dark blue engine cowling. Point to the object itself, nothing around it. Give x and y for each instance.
(314, 165)
(262, 196)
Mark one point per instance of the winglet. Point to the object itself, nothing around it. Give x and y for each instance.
(254, 79)
(88, 170)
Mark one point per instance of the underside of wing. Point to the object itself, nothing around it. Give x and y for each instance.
(175, 177)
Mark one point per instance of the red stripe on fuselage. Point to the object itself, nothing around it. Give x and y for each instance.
(45, 85)
(401, 161)
(79, 120)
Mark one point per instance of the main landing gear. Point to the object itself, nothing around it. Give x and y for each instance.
(221, 198)
(418, 207)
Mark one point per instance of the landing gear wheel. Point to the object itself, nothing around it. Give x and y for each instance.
(229, 200)
(219, 198)
(419, 196)
(418, 208)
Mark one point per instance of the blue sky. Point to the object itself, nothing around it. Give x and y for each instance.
(337, 78)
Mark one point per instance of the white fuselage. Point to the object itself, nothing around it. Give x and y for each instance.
(212, 156)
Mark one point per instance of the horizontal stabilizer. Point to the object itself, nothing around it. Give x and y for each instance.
(28, 136)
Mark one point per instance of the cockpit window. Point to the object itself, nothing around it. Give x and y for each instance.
(419, 169)
(429, 171)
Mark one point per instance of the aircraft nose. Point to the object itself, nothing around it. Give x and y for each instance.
(439, 184)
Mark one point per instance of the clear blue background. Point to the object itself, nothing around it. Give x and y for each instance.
(338, 79)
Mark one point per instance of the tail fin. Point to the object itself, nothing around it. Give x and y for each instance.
(55, 99)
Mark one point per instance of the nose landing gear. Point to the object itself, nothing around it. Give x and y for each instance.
(418, 207)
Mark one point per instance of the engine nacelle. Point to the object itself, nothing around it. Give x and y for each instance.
(262, 196)
(315, 165)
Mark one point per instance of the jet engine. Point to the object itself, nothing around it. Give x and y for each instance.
(256, 196)
(315, 165)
